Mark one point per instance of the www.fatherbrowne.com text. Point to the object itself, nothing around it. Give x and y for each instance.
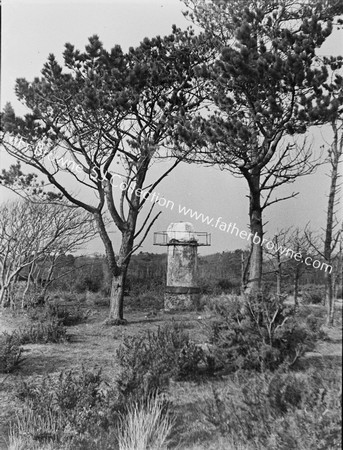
(218, 223)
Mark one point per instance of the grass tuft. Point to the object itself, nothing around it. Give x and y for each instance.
(145, 426)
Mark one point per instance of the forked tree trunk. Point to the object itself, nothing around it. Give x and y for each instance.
(119, 276)
(118, 267)
(116, 315)
(118, 271)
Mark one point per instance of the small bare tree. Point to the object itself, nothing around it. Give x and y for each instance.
(31, 232)
(288, 256)
(327, 247)
(298, 244)
(332, 236)
(275, 258)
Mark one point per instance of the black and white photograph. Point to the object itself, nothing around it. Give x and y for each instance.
(171, 224)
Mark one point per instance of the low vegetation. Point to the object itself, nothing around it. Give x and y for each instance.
(227, 379)
(63, 313)
(282, 410)
(148, 362)
(260, 333)
(145, 425)
(41, 333)
(10, 353)
(313, 294)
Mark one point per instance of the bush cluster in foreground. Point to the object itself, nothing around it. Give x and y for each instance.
(78, 411)
(281, 410)
(265, 403)
(150, 360)
(284, 410)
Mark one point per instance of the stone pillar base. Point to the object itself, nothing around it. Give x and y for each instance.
(181, 302)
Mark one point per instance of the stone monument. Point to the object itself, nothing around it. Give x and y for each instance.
(182, 291)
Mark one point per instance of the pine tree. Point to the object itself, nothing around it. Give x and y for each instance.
(264, 86)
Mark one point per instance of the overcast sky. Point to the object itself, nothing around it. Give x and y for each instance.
(33, 29)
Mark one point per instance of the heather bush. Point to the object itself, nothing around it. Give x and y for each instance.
(41, 333)
(213, 286)
(72, 410)
(68, 315)
(10, 353)
(81, 412)
(280, 410)
(315, 325)
(150, 360)
(65, 315)
(256, 333)
(313, 294)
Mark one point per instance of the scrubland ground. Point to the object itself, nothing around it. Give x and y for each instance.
(92, 344)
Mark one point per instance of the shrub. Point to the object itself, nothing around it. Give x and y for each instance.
(149, 361)
(313, 294)
(315, 324)
(102, 301)
(281, 410)
(72, 409)
(10, 353)
(68, 315)
(257, 333)
(41, 333)
(89, 283)
(219, 286)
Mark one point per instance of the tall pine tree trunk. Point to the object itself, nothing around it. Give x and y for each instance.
(256, 228)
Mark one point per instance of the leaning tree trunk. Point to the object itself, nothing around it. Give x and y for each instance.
(256, 228)
(2, 297)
